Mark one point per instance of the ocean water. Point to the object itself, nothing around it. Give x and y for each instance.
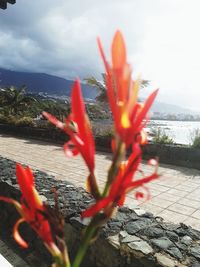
(180, 131)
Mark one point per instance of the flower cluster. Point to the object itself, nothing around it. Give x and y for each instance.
(129, 117)
(32, 210)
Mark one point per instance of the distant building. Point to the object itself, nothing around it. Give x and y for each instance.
(3, 3)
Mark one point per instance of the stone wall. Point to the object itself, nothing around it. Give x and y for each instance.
(178, 155)
(131, 238)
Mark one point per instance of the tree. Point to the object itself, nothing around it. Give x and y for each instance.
(15, 100)
(101, 86)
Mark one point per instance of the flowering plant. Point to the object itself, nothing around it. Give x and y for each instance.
(130, 118)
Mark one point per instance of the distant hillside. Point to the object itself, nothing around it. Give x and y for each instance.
(41, 82)
(53, 85)
(170, 109)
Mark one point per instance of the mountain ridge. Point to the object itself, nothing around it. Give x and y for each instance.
(42, 82)
(54, 85)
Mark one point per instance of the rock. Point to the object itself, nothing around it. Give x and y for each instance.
(164, 260)
(139, 212)
(77, 222)
(170, 226)
(129, 238)
(114, 240)
(194, 234)
(121, 216)
(172, 236)
(181, 246)
(115, 225)
(195, 251)
(180, 232)
(195, 264)
(187, 240)
(153, 232)
(133, 227)
(162, 243)
(43, 198)
(175, 252)
(141, 246)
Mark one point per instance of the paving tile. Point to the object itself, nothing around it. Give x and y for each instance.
(177, 192)
(185, 188)
(158, 187)
(195, 223)
(196, 214)
(189, 203)
(193, 196)
(169, 197)
(160, 202)
(172, 216)
(131, 203)
(151, 208)
(182, 209)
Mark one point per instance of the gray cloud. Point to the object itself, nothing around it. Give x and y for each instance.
(59, 37)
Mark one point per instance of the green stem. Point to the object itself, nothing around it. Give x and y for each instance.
(118, 157)
(89, 234)
(100, 218)
(59, 263)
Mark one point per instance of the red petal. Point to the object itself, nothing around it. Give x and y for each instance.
(25, 180)
(143, 195)
(118, 51)
(70, 149)
(11, 201)
(78, 107)
(94, 209)
(122, 200)
(17, 236)
(113, 145)
(145, 109)
(140, 182)
(53, 120)
(139, 195)
(152, 162)
(103, 55)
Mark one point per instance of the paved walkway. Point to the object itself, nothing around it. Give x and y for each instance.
(175, 196)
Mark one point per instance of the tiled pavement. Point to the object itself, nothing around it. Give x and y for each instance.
(175, 196)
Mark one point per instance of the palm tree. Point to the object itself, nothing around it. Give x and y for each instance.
(101, 86)
(15, 100)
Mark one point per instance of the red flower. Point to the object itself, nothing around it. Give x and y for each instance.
(122, 184)
(31, 209)
(77, 126)
(128, 114)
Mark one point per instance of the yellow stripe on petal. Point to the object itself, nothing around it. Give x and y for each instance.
(125, 122)
(17, 236)
(143, 137)
(134, 93)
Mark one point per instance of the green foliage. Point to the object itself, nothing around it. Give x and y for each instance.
(160, 137)
(101, 86)
(7, 119)
(25, 122)
(95, 111)
(16, 107)
(14, 101)
(104, 131)
(195, 138)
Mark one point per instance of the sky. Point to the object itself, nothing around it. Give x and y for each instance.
(59, 38)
